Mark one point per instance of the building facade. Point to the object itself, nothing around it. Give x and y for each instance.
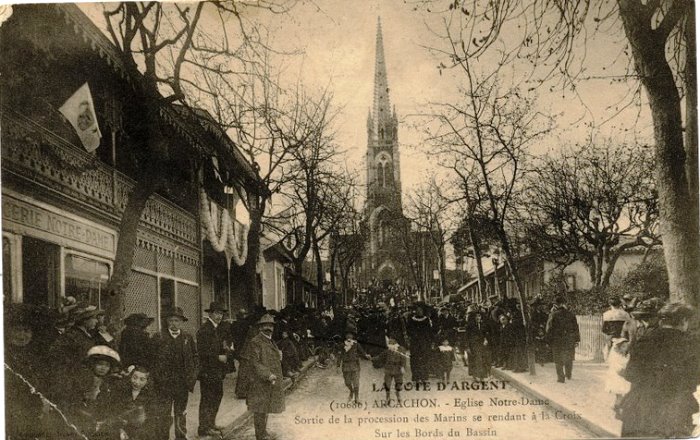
(62, 206)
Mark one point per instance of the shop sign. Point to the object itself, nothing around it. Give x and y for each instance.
(54, 225)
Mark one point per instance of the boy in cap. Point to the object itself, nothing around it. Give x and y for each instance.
(175, 373)
(394, 361)
(349, 363)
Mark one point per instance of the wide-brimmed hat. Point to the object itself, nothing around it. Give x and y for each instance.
(138, 319)
(175, 311)
(82, 313)
(216, 306)
(351, 329)
(103, 351)
(266, 319)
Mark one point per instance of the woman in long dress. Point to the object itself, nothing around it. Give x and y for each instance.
(420, 334)
(478, 348)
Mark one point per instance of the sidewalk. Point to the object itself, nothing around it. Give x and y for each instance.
(233, 412)
(584, 395)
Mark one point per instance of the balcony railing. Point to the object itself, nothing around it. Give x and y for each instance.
(38, 154)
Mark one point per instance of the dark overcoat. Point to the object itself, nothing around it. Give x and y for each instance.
(262, 358)
(210, 344)
(136, 347)
(562, 329)
(69, 349)
(176, 360)
(664, 371)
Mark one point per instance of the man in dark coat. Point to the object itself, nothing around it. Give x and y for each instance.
(563, 334)
(212, 369)
(176, 367)
(264, 389)
(135, 345)
(445, 324)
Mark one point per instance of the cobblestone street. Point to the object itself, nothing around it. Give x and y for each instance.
(309, 409)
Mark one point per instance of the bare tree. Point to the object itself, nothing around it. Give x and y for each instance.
(489, 130)
(432, 213)
(660, 37)
(347, 245)
(591, 204)
(311, 193)
(173, 46)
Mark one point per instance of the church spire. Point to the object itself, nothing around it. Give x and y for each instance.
(381, 110)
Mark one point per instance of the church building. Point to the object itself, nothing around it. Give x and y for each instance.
(394, 252)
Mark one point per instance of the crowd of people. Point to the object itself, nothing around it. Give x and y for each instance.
(69, 375)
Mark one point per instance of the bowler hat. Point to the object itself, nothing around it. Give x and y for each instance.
(266, 319)
(176, 311)
(138, 319)
(216, 306)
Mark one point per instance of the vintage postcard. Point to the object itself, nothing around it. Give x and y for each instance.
(362, 220)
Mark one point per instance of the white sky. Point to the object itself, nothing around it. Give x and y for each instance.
(336, 44)
(338, 41)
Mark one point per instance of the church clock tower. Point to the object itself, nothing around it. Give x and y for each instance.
(383, 175)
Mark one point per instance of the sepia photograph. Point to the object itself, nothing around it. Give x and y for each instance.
(350, 220)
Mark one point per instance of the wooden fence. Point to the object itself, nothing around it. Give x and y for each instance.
(592, 339)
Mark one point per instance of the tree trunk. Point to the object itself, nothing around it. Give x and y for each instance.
(319, 271)
(477, 257)
(126, 246)
(333, 265)
(678, 216)
(298, 281)
(691, 112)
(250, 268)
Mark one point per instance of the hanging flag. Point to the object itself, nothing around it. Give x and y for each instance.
(80, 112)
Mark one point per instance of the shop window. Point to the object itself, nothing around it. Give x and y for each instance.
(40, 271)
(86, 279)
(167, 296)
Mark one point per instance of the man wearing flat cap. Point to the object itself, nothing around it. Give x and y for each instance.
(264, 388)
(213, 368)
(175, 372)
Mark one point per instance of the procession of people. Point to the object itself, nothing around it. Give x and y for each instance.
(70, 377)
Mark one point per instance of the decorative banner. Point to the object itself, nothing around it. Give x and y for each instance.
(222, 231)
(80, 112)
